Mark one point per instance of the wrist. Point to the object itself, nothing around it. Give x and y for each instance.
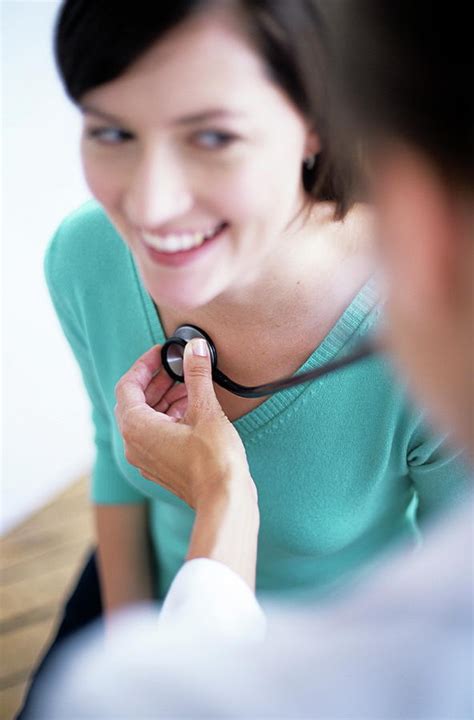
(232, 493)
(226, 528)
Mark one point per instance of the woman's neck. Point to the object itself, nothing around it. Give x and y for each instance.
(301, 281)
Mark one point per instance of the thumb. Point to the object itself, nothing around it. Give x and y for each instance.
(198, 379)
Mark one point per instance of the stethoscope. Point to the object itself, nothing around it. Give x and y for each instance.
(172, 358)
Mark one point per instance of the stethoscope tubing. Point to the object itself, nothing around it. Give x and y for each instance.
(363, 351)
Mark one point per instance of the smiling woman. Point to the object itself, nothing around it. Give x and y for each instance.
(198, 166)
(221, 204)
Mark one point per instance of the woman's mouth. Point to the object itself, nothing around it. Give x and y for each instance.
(176, 249)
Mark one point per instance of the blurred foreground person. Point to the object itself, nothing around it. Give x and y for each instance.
(401, 646)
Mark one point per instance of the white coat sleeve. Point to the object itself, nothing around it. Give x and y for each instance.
(207, 598)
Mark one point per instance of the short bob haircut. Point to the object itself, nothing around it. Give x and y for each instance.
(97, 40)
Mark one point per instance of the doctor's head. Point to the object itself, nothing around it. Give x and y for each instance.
(196, 137)
(404, 71)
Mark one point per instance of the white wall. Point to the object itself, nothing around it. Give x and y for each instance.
(46, 426)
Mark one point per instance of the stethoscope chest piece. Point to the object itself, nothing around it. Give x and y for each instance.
(172, 359)
(173, 350)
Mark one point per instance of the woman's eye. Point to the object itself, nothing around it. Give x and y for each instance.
(213, 139)
(109, 135)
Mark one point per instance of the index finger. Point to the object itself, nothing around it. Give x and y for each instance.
(130, 389)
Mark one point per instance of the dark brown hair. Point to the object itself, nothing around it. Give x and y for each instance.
(97, 40)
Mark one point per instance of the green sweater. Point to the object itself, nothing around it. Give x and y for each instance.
(339, 464)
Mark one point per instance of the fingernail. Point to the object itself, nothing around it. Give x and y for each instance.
(199, 347)
(176, 414)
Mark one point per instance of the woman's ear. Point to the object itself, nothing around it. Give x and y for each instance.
(313, 144)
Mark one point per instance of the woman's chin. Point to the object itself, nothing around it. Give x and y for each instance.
(181, 297)
(181, 289)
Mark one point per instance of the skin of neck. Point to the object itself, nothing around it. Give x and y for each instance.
(297, 280)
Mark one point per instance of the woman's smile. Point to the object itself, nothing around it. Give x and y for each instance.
(181, 248)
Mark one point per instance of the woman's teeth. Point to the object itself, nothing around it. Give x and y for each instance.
(177, 243)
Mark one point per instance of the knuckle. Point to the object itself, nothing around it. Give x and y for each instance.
(127, 427)
(127, 433)
(130, 455)
(119, 386)
(199, 369)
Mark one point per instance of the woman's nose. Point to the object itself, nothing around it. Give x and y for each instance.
(158, 190)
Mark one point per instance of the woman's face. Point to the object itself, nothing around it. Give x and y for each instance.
(196, 157)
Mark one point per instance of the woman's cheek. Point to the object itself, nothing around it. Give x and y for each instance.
(105, 186)
(243, 195)
(101, 176)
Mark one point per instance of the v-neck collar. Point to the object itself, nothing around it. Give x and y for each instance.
(335, 342)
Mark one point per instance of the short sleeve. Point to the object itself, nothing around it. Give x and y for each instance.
(439, 474)
(109, 486)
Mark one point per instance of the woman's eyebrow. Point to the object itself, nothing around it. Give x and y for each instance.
(206, 116)
(194, 119)
(89, 110)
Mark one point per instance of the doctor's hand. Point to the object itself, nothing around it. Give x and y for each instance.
(178, 435)
(199, 457)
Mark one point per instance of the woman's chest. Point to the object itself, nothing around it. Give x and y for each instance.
(253, 353)
(254, 359)
(320, 491)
